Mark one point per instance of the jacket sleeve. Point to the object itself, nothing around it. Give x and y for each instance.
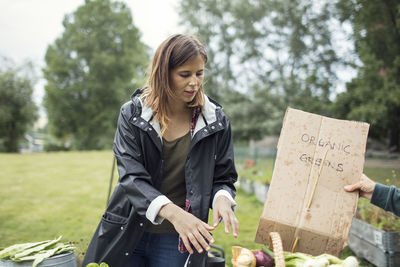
(134, 178)
(387, 198)
(225, 174)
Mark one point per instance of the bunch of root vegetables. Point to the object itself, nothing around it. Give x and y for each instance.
(243, 257)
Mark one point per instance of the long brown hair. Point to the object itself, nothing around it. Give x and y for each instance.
(173, 52)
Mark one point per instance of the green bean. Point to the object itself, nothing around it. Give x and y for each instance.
(35, 252)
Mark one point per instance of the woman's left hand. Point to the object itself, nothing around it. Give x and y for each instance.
(223, 209)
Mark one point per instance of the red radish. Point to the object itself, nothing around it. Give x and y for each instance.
(263, 259)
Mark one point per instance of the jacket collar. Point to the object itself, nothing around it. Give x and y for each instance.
(207, 117)
(147, 115)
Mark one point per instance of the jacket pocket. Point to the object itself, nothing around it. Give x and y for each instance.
(114, 238)
(112, 225)
(114, 218)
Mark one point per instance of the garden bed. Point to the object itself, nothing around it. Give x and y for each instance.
(375, 245)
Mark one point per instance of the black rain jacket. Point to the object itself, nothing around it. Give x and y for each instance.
(209, 168)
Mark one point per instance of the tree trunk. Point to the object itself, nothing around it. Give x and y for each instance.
(394, 133)
(394, 145)
(11, 143)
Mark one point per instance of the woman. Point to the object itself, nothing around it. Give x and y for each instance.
(175, 160)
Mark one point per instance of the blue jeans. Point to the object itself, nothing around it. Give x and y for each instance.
(158, 250)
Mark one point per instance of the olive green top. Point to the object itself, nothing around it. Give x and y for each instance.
(173, 185)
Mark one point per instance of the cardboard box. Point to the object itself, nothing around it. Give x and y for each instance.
(306, 202)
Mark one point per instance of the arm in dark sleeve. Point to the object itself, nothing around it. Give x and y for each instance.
(134, 178)
(225, 174)
(387, 198)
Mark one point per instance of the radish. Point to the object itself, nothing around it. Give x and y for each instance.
(263, 259)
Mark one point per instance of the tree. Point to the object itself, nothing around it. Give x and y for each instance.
(17, 109)
(374, 95)
(266, 55)
(90, 71)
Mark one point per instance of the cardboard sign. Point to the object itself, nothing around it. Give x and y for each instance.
(306, 203)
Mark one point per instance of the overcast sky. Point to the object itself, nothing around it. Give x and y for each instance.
(27, 27)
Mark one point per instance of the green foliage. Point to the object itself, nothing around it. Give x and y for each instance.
(374, 95)
(90, 71)
(264, 57)
(17, 109)
(377, 217)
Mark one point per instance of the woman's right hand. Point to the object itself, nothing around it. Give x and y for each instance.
(192, 230)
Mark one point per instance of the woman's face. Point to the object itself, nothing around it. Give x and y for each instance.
(186, 79)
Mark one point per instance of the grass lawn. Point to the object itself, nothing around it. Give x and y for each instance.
(46, 195)
(43, 196)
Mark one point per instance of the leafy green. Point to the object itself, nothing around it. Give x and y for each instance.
(298, 259)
